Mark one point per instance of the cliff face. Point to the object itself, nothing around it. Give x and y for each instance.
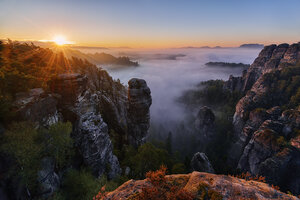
(226, 186)
(95, 104)
(270, 58)
(266, 121)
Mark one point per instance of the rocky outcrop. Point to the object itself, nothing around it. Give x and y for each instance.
(204, 123)
(234, 84)
(263, 132)
(270, 58)
(37, 106)
(201, 163)
(227, 187)
(95, 145)
(81, 106)
(139, 102)
(48, 180)
(69, 86)
(95, 104)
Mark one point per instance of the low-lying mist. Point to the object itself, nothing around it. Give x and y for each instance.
(170, 72)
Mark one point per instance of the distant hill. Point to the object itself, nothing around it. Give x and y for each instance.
(101, 58)
(226, 64)
(254, 46)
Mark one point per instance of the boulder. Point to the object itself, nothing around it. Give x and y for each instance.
(201, 163)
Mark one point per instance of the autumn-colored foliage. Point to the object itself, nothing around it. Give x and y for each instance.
(275, 187)
(101, 194)
(161, 188)
(248, 177)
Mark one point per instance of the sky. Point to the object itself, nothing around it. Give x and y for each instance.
(152, 23)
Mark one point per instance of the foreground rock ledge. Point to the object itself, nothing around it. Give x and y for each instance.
(229, 187)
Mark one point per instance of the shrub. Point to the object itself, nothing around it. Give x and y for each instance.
(21, 142)
(81, 185)
(178, 168)
(28, 145)
(161, 189)
(147, 158)
(58, 143)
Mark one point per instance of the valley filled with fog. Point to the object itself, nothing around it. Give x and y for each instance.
(170, 72)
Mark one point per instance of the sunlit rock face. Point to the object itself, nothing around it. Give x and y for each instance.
(139, 102)
(69, 86)
(227, 186)
(263, 131)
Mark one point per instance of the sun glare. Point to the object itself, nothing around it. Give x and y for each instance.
(60, 40)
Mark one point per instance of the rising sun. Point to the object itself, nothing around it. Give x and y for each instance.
(60, 40)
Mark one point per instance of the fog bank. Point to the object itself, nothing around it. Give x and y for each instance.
(171, 71)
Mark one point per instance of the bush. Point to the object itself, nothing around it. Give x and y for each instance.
(80, 185)
(28, 145)
(21, 141)
(147, 158)
(161, 189)
(178, 168)
(58, 143)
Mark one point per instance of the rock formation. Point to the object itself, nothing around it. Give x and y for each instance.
(48, 180)
(94, 104)
(204, 128)
(205, 122)
(265, 135)
(201, 163)
(37, 106)
(228, 187)
(139, 100)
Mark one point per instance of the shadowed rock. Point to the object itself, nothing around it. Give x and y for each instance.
(139, 102)
(201, 163)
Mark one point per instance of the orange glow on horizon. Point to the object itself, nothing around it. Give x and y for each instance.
(60, 40)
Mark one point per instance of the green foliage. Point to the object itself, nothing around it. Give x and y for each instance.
(146, 158)
(25, 66)
(211, 93)
(28, 145)
(5, 109)
(22, 142)
(178, 168)
(80, 185)
(59, 143)
(285, 87)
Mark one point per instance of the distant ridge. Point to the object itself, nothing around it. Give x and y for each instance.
(253, 46)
